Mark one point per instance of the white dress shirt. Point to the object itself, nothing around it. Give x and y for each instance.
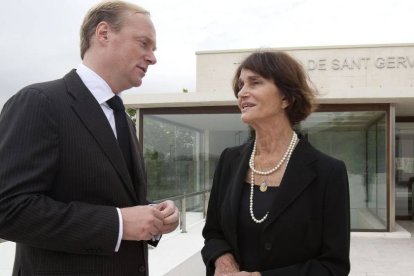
(101, 92)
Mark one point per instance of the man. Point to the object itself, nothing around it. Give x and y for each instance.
(72, 193)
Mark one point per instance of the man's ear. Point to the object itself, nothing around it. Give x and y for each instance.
(102, 32)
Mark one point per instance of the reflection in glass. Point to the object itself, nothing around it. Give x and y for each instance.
(359, 139)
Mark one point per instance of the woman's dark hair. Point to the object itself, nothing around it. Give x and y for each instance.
(289, 77)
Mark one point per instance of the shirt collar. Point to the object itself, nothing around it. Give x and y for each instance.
(97, 85)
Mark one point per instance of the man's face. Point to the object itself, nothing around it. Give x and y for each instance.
(131, 51)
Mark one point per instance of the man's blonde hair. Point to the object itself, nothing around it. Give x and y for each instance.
(112, 12)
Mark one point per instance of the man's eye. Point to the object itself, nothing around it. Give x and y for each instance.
(143, 44)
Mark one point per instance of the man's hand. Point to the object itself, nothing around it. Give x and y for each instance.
(141, 222)
(170, 216)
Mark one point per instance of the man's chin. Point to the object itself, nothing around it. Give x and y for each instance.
(138, 83)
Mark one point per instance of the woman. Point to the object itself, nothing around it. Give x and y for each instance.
(277, 206)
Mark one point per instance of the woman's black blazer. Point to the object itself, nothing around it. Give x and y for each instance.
(307, 231)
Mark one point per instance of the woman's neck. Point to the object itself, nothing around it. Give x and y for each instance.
(273, 139)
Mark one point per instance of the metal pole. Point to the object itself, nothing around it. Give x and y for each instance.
(206, 196)
(183, 215)
(412, 199)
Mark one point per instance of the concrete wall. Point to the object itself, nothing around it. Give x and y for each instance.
(7, 250)
(352, 74)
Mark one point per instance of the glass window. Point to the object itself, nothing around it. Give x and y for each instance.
(182, 150)
(359, 139)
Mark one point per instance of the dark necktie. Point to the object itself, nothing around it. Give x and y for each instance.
(122, 129)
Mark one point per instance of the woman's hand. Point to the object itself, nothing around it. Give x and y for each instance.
(226, 265)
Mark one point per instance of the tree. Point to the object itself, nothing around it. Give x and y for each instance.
(132, 113)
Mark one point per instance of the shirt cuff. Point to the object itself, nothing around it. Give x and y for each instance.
(156, 238)
(121, 229)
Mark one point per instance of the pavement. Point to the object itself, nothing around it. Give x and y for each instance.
(388, 255)
(372, 254)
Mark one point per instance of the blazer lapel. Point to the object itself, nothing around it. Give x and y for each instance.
(239, 169)
(92, 116)
(297, 177)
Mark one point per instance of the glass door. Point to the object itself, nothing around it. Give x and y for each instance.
(404, 170)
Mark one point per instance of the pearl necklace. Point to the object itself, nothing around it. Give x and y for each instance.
(287, 153)
(285, 157)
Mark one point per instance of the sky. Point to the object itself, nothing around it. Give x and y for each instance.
(39, 40)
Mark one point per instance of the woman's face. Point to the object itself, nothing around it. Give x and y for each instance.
(259, 99)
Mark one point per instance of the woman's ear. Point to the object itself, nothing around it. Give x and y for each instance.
(285, 102)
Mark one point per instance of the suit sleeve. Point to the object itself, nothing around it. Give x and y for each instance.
(215, 243)
(29, 156)
(334, 257)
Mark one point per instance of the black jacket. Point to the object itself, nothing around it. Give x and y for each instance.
(61, 176)
(307, 231)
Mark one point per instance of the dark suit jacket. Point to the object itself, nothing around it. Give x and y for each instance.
(307, 230)
(61, 176)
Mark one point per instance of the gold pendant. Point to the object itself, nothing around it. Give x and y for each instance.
(263, 187)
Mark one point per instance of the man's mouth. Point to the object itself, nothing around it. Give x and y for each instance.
(144, 69)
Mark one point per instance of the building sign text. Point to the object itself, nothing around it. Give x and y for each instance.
(362, 63)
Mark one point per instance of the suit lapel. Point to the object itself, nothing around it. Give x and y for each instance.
(92, 116)
(239, 168)
(297, 177)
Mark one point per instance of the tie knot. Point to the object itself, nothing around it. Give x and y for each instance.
(116, 103)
